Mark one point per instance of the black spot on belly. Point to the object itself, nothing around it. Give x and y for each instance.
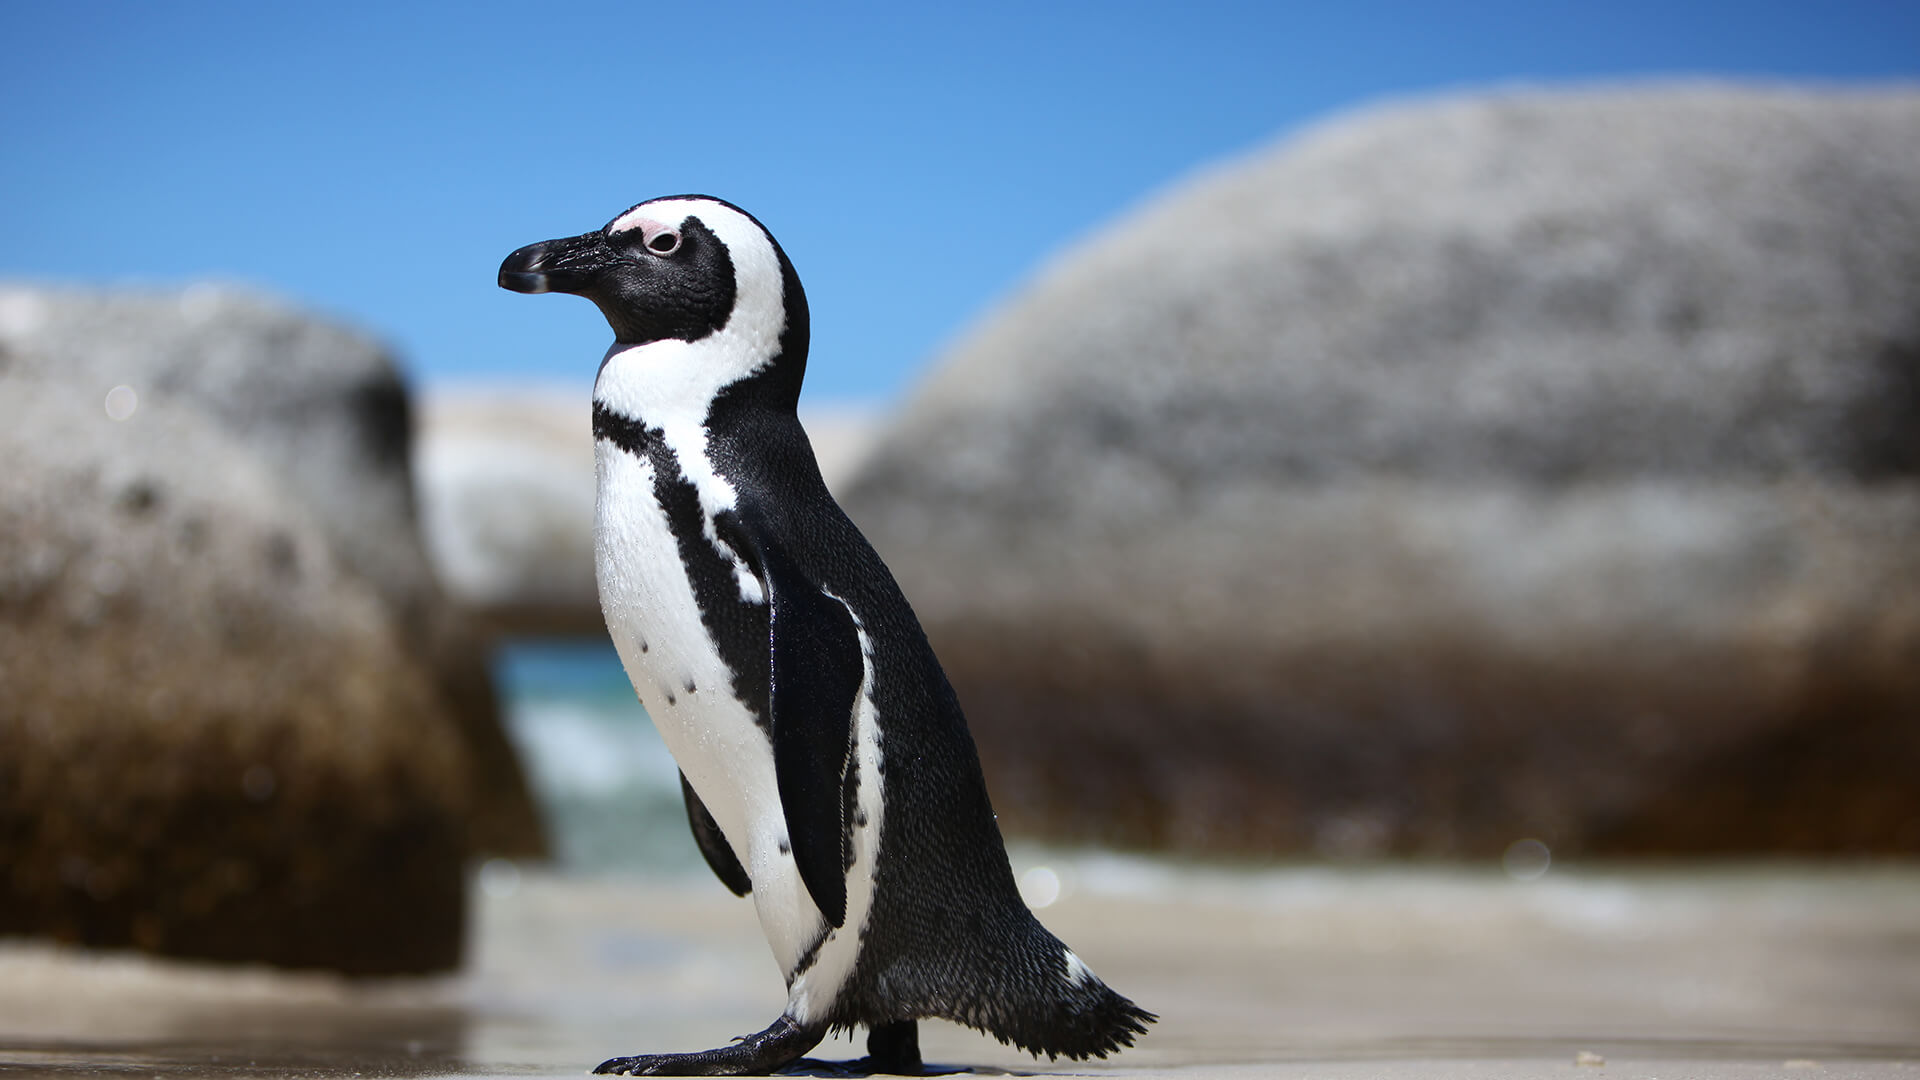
(671, 699)
(690, 687)
(785, 848)
(860, 818)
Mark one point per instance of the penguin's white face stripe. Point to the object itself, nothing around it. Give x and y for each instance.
(751, 336)
(642, 381)
(671, 384)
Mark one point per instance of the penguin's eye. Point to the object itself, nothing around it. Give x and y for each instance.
(663, 243)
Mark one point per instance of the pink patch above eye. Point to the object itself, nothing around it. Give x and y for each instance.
(646, 225)
(657, 236)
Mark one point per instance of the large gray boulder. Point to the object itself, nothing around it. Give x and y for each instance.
(237, 717)
(1518, 465)
(319, 404)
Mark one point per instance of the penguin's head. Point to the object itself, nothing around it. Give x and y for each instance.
(688, 268)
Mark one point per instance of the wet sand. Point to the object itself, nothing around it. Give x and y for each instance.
(1787, 970)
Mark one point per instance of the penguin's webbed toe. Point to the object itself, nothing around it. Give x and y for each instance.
(758, 1054)
(704, 1063)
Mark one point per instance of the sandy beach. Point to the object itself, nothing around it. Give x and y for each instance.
(1760, 970)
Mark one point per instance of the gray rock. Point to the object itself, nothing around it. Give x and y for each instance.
(215, 740)
(239, 719)
(1527, 464)
(324, 409)
(321, 404)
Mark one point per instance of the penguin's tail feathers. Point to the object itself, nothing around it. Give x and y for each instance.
(1088, 1018)
(1060, 1008)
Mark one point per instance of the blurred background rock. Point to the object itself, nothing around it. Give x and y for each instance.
(1524, 464)
(238, 717)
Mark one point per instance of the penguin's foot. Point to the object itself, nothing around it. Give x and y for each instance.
(894, 1048)
(780, 1045)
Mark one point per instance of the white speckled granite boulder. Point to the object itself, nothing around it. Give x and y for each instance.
(1528, 464)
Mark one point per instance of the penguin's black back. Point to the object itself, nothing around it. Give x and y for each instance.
(948, 934)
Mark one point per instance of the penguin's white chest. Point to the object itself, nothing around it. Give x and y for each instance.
(685, 684)
(649, 604)
(679, 675)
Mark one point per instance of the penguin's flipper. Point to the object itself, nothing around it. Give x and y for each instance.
(713, 843)
(816, 668)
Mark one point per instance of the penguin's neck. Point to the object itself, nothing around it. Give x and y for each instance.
(671, 380)
(652, 401)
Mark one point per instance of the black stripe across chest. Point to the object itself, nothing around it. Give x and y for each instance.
(737, 627)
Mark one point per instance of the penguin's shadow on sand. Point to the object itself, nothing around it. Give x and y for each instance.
(858, 1068)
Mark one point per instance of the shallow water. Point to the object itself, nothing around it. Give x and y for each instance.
(1758, 970)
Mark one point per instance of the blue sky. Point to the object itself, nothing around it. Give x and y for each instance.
(917, 161)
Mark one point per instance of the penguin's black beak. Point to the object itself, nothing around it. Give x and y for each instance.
(571, 265)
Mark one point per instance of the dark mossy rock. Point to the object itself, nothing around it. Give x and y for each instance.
(213, 741)
(323, 408)
(237, 718)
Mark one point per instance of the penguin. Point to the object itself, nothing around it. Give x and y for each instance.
(824, 760)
